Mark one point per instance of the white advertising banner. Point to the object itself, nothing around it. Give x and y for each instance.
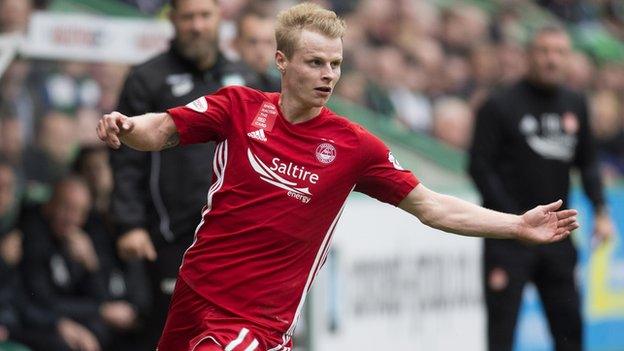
(95, 38)
(391, 283)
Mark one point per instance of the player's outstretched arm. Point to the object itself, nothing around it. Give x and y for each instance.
(149, 132)
(543, 224)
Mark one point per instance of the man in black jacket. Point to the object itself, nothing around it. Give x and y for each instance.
(158, 196)
(60, 267)
(526, 140)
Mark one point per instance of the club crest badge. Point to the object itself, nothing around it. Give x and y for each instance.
(326, 153)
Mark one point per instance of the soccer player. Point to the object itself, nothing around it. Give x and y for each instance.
(284, 166)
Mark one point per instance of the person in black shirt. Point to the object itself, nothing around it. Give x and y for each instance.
(60, 267)
(155, 202)
(526, 140)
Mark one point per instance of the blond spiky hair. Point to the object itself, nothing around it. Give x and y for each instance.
(308, 16)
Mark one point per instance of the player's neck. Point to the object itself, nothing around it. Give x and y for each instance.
(296, 112)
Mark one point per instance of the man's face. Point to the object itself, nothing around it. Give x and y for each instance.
(69, 208)
(312, 72)
(548, 58)
(196, 24)
(256, 42)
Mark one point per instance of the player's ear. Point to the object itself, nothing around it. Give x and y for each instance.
(281, 61)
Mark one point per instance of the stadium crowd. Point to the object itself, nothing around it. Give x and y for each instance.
(420, 64)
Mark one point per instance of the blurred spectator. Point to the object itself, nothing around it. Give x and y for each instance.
(10, 253)
(60, 267)
(379, 21)
(12, 143)
(49, 159)
(126, 281)
(430, 56)
(18, 97)
(580, 72)
(110, 78)
(92, 163)
(526, 140)
(452, 122)
(610, 77)
(485, 72)
(70, 87)
(351, 87)
(463, 26)
(608, 127)
(14, 15)
(255, 43)
(413, 108)
(457, 77)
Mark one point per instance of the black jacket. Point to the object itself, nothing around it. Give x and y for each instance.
(54, 281)
(165, 191)
(525, 142)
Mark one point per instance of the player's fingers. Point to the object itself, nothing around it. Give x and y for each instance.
(553, 206)
(566, 221)
(566, 213)
(573, 226)
(101, 133)
(560, 235)
(113, 141)
(111, 123)
(127, 124)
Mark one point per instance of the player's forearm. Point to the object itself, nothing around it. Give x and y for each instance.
(151, 132)
(454, 215)
(457, 216)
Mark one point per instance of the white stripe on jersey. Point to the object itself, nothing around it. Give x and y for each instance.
(219, 165)
(253, 345)
(320, 258)
(202, 340)
(241, 335)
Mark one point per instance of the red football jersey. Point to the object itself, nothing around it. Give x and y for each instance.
(278, 191)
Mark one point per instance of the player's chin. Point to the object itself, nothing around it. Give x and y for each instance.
(319, 101)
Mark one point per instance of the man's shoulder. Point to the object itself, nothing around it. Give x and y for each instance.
(155, 65)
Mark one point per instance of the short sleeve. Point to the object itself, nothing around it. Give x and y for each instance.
(382, 176)
(205, 119)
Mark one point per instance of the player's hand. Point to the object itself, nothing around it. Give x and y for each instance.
(112, 126)
(77, 337)
(118, 314)
(136, 243)
(545, 224)
(604, 228)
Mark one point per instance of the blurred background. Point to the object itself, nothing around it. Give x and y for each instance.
(415, 71)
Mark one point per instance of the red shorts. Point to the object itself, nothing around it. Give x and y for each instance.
(196, 324)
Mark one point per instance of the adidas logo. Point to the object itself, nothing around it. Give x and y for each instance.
(258, 135)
